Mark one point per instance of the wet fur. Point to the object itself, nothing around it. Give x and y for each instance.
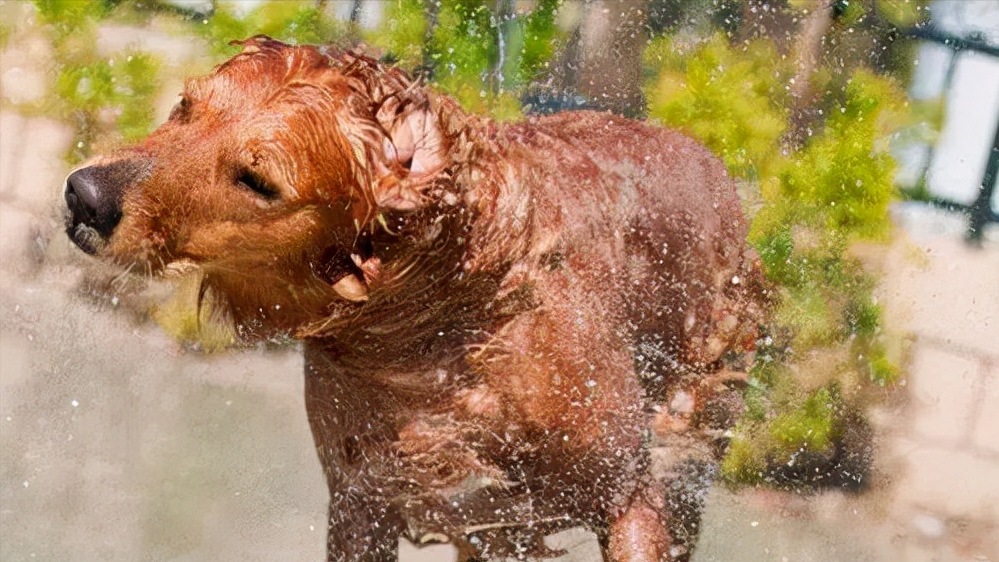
(505, 280)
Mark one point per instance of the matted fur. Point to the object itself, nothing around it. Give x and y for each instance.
(489, 311)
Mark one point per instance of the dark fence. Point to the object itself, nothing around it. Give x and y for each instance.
(980, 212)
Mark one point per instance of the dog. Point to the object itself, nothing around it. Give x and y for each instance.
(490, 313)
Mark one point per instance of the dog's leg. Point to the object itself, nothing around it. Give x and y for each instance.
(361, 529)
(362, 525)
(640, 533)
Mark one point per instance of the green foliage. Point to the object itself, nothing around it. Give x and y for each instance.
(813, 203)
(191, 317)
(135, 91)
(291, 21)
(403, 33)
(809, 427)
(464, 44)
(121, 86)
(102, 95)
(72, 16)
(539, 39)
(729, 99)
(114, 95)
(903, 13)
(98, 94)
(5, 33)
(798, 422)
(842, 181)
(833, 192)
(465, 52)
(880, 368)
(464, 49)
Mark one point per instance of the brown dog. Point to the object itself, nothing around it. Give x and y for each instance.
(487, 310)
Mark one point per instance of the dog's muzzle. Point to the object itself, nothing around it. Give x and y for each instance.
(93, 201)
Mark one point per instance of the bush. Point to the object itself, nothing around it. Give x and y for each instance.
(810, 205)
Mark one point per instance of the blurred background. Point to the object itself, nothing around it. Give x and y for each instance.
(865, 138)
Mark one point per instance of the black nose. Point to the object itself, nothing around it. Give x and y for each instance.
(93, 196)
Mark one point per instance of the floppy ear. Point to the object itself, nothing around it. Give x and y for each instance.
(413, 151)
(396, 129)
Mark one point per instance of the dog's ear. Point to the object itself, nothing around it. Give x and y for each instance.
(413, 152)
(396, 128)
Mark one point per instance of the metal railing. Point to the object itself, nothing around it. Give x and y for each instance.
(980, 211)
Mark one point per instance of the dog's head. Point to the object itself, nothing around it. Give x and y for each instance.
(270, 177)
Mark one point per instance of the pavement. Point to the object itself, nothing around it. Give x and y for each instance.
(117, 444)
(935, 490)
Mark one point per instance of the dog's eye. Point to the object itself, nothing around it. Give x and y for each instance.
(253, 181)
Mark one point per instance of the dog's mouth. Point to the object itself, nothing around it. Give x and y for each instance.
(352, 288)
(350, 275)
(86, 237)
(83, 225)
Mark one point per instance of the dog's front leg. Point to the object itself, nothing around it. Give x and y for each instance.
(639, 534)
(361, 529)
(349, 428)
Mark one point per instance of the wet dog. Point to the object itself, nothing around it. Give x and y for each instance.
(489, 312)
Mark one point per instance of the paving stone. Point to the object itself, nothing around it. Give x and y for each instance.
(927, 525)
(32, 168)
(951, 483)
(986, 429)
(13, 129)
(943, 387)
(23, 237)
(23, 79)
(916, 551)
(767, 526)
(579, 545)
(943, 289)
(15, 365)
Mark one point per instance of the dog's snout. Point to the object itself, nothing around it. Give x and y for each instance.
(93, 199)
